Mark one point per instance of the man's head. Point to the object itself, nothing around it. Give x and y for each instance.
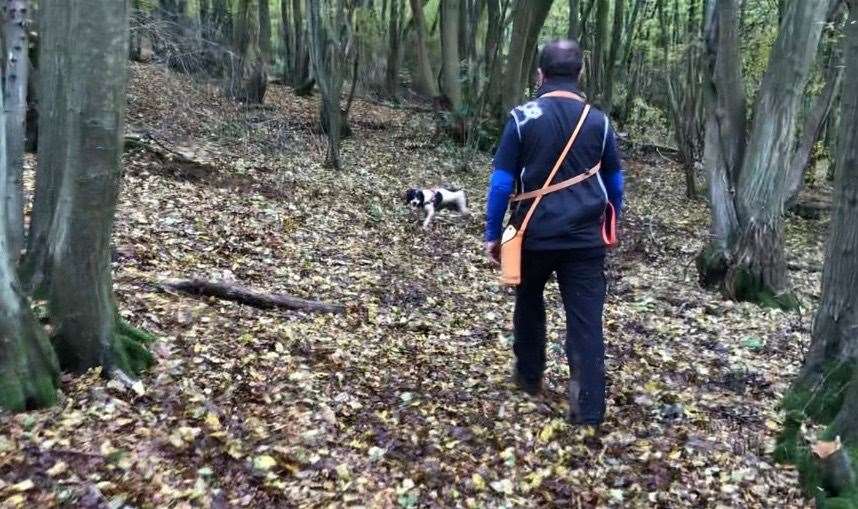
(561, 59)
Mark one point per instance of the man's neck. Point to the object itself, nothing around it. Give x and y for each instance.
(558, 83)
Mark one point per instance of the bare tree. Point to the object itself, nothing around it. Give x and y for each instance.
(248, 79)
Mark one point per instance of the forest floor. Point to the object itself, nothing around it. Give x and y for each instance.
(405, 400)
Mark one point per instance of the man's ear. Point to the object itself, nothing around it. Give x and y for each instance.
(540, 77)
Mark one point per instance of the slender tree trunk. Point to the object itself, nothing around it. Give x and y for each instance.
(450, 21)
(425, 79)
(528, 19)
(600, 57)
(52, 128)
(222, 20)
(826, 390)
(394, 53)
(812, 129)
(329, 38)
(28, 366)
(302, 55)
(265, 30)
(288, 41)
(87, 327)
(758, 270)
(574, 19)
(17, 80)
(724, 142)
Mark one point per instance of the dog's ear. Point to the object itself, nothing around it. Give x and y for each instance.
(409, 195)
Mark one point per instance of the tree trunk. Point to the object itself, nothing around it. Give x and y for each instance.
(574, 30)
(826, 390)
(394, 53)
(265, 30)
(17, 79)
(222, 20)
(758, 269)
(248, 79)
(329, 40)
(450, 21)
(812, 130)
(528, 19)
(52, 144)
(28, 367)
(724, 142)
(91, 107)
(301, 64)
(425, 80)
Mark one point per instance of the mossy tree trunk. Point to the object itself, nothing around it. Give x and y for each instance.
(757, 269)
(826, 390)
(28, 366)
(724, 138)
(15, 110)
(92, 37)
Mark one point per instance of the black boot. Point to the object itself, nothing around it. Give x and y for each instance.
(529, 388)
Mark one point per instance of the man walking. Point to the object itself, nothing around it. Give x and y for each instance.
(566, 235)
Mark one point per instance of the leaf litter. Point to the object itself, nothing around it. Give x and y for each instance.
(405, 400)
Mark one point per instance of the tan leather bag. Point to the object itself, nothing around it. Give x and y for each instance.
(512, 241)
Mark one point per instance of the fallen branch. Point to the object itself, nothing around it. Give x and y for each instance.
(147, 142)
(228, 291)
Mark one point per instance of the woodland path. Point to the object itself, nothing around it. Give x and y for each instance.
(405, 400)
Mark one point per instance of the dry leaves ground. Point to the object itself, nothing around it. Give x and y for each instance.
(405, 400)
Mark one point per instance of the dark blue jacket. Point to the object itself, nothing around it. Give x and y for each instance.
(570, 218)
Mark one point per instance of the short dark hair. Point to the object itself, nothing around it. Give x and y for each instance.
(561, 58)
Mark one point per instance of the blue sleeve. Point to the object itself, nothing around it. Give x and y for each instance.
(502, 181)
(500, 188)
(612, 172)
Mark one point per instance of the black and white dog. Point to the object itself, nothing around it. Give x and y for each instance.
(432, 200)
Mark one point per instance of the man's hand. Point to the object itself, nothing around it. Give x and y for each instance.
(492, 250)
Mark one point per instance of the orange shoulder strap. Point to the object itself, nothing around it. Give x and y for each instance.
(557, 165)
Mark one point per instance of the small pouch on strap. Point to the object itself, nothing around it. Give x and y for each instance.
(609, 226)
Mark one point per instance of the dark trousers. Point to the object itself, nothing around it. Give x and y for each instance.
(581, 277)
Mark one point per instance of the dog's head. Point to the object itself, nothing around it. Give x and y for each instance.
(414, 198)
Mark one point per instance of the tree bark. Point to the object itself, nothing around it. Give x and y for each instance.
(450, 10)
(826, 390)
(265, 30)
(425, 79)
(528, 19)
(248, 79)
(17, 80)
(812, 130)
(724, 142)
(28, 367)
(91, 108)
(394, 52)
(574, 30)
(52, 105)
(758, 269)
(329, 40)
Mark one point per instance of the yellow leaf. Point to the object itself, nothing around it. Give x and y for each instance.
(14, 501)
(264, 463)
(213, 422)
(59, 468)
(23, 486)
(479, 482)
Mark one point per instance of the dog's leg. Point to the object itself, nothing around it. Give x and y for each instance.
(430, 211)
(462, 205)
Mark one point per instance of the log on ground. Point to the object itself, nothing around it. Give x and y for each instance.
(235, 293)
